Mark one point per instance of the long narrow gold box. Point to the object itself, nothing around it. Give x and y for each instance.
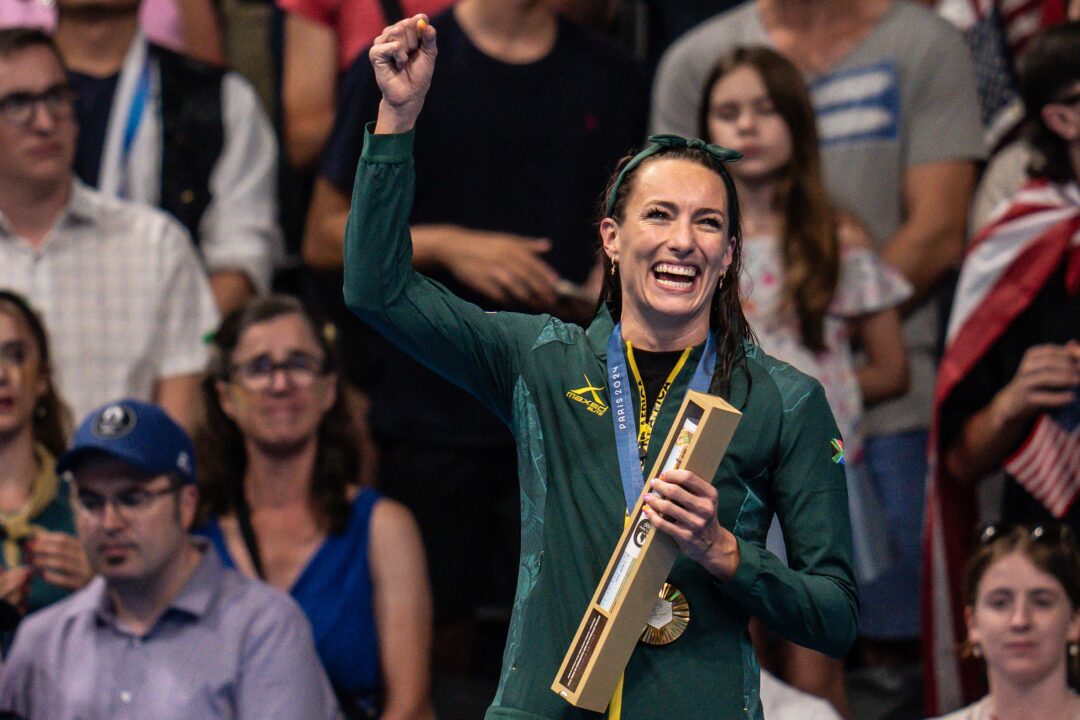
(631, 584)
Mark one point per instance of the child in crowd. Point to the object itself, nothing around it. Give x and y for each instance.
(812, 286)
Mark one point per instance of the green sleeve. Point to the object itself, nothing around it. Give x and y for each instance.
(482, 352)
(813, 600)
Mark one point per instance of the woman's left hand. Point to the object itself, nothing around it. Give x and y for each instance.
(60, 559)
(683, 505)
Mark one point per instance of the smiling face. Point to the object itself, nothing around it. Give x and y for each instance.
(22, 382)
(671, 248)
(1022, 620)
(743, 116)
(40, 151)
(283, 414)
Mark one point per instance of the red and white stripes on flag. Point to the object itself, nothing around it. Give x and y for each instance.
(996, 33)
(1048, 463)
(1006, 267)
(1020, 19)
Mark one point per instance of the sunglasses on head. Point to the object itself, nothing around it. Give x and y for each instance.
(1050, 533)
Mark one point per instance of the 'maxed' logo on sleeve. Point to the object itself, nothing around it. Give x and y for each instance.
(593, 402)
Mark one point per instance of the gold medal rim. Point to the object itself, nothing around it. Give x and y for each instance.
(680, 618)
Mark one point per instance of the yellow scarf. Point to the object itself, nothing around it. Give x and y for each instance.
(17, 524)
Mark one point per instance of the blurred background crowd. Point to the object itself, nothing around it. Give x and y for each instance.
(175, 179)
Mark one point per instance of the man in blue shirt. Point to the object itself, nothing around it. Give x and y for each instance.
(164, 631)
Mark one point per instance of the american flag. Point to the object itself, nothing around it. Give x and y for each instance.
(1006, 266)
(996, 32)
(1048, 463)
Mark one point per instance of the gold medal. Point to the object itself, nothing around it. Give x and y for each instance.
(669, 617)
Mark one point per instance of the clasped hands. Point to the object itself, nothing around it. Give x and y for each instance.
(57, 557)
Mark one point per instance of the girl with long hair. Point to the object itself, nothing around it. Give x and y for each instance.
(812, 285)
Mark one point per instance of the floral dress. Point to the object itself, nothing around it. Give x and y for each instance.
(865, 286)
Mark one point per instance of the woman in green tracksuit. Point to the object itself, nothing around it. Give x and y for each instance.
(671, 320)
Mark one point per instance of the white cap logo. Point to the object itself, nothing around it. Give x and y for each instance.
(115, 421)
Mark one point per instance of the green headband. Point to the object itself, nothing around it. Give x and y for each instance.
(659, 142)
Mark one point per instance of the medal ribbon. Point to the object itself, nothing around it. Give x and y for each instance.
(627, 432)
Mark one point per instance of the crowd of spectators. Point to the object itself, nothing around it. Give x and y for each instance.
(911, 229)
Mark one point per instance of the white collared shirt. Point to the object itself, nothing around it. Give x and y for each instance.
(123, 294)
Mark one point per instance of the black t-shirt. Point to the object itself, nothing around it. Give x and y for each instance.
(654, 368)
(93, 104)
(523, 149)
(1052, 317)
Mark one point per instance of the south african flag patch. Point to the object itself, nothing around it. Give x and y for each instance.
(838, 451)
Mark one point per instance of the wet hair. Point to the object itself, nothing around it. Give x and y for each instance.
(726, 318)
(16, 39)
(219, 443)
(1050, 547)
(808, 234)
(52, 419)
(1046, 70)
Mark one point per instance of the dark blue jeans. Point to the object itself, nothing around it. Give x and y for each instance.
(889, 606)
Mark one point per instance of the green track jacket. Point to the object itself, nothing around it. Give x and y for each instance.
(547, 380)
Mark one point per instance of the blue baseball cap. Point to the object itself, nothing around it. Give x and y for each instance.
(136, 432)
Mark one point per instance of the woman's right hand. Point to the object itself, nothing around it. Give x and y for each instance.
(61, 560)
(403, 57)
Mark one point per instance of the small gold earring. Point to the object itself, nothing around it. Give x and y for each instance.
(614, 265)
(976, 651)
(1074, 650)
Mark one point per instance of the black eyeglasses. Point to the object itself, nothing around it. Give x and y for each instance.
(1043, 533)
(299, 368)
(18, 108)
(126, 502)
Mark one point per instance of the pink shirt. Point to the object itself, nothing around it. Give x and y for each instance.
(160, 19)
(355, 22)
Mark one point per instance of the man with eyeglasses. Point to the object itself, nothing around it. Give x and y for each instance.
(165, 631)
(122, 290)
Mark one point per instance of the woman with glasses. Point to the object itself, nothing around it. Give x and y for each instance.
(278, 472)
(41, 559)
(1022, 610)
(589, 409)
